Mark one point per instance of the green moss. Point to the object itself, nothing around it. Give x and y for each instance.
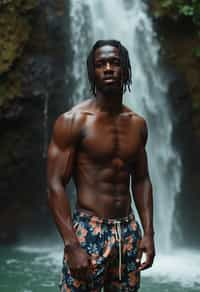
(10, 87)
(15, 30)
(18, 5)
(14, 33)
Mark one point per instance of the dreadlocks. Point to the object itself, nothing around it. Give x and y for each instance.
(124, 62)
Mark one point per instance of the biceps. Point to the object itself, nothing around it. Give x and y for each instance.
(60, 164)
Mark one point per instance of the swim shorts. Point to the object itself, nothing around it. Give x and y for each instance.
(112, 245)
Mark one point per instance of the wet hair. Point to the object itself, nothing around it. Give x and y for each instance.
(124, 62)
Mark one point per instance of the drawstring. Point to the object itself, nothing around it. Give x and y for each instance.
(118, 236)
(119, 239)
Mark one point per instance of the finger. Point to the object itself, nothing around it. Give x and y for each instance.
(139, 256)
(82, 274)
(88, 273)
(146, 264)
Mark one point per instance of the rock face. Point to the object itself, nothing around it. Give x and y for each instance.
(178, 40)
(15, 29)
(32, 85)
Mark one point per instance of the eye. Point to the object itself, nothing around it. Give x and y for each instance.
(98, 64)
(116, 62)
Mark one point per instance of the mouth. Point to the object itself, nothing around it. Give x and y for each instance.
(109, 80)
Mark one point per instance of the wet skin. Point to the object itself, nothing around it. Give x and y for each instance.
(100, 144)
(104, 162)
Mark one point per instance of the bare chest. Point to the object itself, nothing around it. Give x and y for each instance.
(105, 138)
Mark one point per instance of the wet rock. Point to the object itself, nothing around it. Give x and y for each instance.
(178, 37)
(27, 116)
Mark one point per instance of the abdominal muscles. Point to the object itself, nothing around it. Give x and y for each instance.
(104, 188)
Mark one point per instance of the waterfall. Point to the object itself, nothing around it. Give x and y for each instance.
(128, 21)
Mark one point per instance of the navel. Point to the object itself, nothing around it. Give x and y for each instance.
(117, 163)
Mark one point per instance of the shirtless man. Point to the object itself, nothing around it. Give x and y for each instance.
(100, 143)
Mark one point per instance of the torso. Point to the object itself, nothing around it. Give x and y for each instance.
(105, 157)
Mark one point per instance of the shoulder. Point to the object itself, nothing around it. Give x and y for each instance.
(73, 117)
(62, 130)
(139, 122)
(68, 126)
(84, 108)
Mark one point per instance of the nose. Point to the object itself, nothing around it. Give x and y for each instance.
(108, 67)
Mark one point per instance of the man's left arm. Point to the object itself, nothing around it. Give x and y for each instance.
(143, 198)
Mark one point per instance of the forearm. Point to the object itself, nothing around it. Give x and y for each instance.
(144, 203)
(60, 208)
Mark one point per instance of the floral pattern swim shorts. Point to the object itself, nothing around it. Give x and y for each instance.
(112, 245)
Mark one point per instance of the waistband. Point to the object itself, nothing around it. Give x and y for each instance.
(83, 215)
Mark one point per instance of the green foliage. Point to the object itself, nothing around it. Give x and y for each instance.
(166, 3)
(196, 52)
(15, 28)
(20, 6)
(188, 8)
(14, 33)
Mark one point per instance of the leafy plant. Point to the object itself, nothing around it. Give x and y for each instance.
(167, 3)
(186, 8)
(196, 52)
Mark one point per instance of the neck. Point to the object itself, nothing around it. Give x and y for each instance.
(111, 103)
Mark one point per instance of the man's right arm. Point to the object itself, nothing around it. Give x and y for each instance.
(61, 155)
(60, 163)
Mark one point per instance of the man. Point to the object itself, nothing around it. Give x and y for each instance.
(100, 143)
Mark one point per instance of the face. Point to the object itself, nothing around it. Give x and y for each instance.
(108, 70)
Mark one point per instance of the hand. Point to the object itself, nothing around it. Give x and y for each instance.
(79, 263)
(146, 246)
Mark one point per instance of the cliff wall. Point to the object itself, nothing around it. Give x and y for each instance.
(180, 50)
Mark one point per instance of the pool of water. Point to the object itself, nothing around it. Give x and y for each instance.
(36, 268)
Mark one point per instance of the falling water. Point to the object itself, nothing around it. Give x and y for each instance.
(128, 21)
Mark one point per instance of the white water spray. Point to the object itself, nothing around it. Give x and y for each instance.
(128, 22)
